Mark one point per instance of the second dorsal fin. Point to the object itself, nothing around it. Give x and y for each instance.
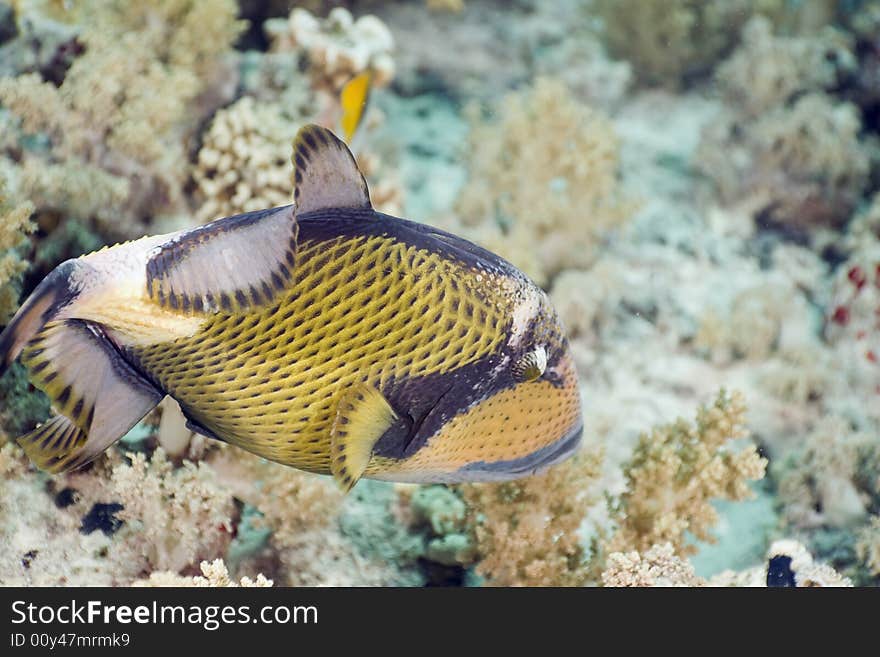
(325, 174)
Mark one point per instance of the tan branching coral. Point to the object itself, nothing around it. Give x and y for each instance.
(675, 473)
(214, 573)
(336, 48)
(527, 530)
(15, 225)
(659, 566)
(178, 516)
(119, 121)
(543, 183)
(669, 40)
(244, 163)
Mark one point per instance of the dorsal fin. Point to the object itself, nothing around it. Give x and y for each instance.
(325, 174)
(228, 265)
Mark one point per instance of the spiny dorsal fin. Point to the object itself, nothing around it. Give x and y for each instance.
(325, 174)
(362, 416)
(98, 395)
(228, 265)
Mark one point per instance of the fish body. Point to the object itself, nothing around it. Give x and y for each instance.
(323, 335)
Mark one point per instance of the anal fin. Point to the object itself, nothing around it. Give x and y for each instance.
(50, 444)
(362, 416)
(97, 395)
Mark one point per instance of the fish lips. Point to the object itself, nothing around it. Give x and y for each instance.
(532, 464)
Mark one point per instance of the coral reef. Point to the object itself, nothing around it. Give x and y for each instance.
(118, 123)
(715, 232)
(336, 48)
(526, 532)
(676, 471)
(244, 162)
(669, 42)
(659, 566)
(214, 573)
(184, 512)
(788, 564)
(15, 225)
(830, 481)
(783, 141)
(569, 155)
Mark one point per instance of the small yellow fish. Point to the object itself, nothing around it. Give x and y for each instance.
(322, 335)
(354, 100)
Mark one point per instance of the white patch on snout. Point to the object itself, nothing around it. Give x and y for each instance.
(523, 312)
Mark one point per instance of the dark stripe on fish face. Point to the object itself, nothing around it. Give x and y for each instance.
(424, 404)
(327, 225)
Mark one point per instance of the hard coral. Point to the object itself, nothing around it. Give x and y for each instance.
(659, 566)
(214, 573)
(244, 163)
(336, 48)
(677, 470)
(668, 42)
(527, 530)
(543, 181)
(119, 121)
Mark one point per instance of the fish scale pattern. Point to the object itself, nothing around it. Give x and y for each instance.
(365, 309)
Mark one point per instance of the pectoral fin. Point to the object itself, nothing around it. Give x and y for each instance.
(98, 395)
(362, 416)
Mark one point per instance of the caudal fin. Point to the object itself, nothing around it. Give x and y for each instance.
(53, 293)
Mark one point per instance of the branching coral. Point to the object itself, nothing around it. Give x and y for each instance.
(15, 225)
(119, 121)
(543, 181)
(659, 566)
(669, 41)
(181, 514)
(676, 471)
(244, 163)
(336, 48)
(527, 530)
(214, 573)
(783, 140)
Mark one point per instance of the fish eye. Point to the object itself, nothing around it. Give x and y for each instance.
(530, 365)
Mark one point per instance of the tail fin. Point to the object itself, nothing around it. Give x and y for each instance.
(52, 294)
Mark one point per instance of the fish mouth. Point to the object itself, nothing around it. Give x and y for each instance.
(532, 464)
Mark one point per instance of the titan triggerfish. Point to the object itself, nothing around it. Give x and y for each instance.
(323, 335)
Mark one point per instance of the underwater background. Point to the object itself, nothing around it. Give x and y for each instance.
(695, 183)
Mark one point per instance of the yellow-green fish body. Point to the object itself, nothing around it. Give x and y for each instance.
(322, 335)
